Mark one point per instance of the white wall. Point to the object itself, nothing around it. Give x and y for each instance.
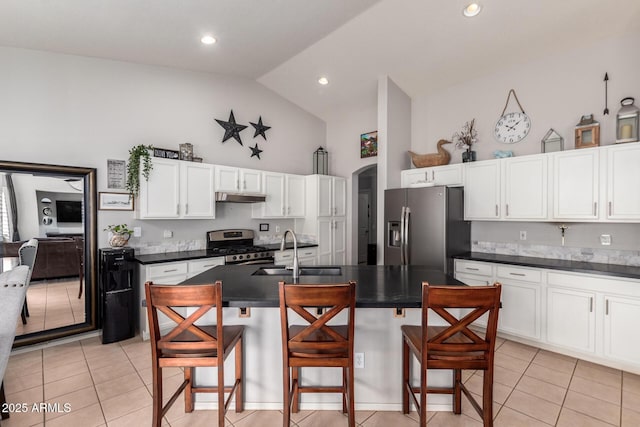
(555, 91)
(79, 111)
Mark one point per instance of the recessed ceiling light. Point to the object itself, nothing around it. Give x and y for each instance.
(208, 39)
(471, 10)
(323, 81)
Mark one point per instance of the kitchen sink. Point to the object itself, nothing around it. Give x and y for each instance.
(304, 271)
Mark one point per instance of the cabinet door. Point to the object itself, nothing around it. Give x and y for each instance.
(227, 178)
(325, 230)
(339, 196)
(446, 175)
(339, 241)
(571, 319)
(295, 200)
(525, 187)
(325, 207)
(250, 181)
(575, 187)
(160, 194)
(482, 190)
(412, 176)
(623, 180)
(520, 313)
(475, 280)
(621, 318)
(197, 190)
(274, 190)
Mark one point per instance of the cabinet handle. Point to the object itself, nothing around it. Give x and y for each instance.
(610, 209)
(209, 265)
(308, 253)
(595, 208)
(426, 176)
(186, 208)
(433, 176)
(178, 209)
(496, 209)
(518, 274)
(507, 209)
(283, 210)
(288, 209)
(472, 268)
(170, 270)
(244, 184)
(486, 282)
(606, 307)
(238, 185)
(590, 304)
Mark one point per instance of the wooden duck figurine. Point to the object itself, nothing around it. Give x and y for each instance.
(442, 157)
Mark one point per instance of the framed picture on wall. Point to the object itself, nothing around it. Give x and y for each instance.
(115, 201)
(369, 144)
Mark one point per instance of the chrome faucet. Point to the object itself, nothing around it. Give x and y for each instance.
(295, 268)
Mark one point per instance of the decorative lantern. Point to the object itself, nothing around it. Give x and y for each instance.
(627, 121)
(321, 161)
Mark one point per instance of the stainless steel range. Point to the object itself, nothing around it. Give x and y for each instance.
(236, 246)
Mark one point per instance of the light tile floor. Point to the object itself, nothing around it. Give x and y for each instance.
(53, 304)
(110, 385)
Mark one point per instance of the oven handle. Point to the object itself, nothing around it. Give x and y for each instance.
(257, 261)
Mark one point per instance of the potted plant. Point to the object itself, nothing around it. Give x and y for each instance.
(136, 155)
(465, 140)
(120, 235)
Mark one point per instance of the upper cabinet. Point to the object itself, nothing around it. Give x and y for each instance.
(525, 188)
(449, 175)
(482, 190)
(285, 196)
(177, 190)
(576, 184)
(623, 181)
(238, 180)
(327, 195)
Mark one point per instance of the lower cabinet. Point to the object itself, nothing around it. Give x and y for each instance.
(571, 319)
(332, 241)
(521, 301)
(621, 317)
(169, 273)
(306, 256)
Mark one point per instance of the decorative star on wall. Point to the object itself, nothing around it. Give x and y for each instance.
(231, 128)
(260, 128)
(255, 151)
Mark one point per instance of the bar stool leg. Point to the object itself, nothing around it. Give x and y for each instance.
(221, 394)
(405, 376)
(295, 383)
(157, 395)
(352, 406)
(457, 392)
(286, 403)
(188, 393)
(239, 377)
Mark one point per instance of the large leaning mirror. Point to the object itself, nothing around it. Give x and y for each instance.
(57, 206)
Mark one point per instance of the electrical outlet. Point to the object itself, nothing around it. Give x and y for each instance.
(358, 360)
(244, 312)
(398, 312)
(277, 228)
(523, 235)
(137, 231)
(605, 239)
(168, 234)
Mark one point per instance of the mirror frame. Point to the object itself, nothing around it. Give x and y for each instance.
(90, 247)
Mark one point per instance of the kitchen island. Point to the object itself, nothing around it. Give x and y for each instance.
(387, 297)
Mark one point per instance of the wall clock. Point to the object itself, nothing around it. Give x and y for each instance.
(512, 127)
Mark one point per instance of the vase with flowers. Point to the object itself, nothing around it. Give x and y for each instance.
(119, 236)
(465, 140)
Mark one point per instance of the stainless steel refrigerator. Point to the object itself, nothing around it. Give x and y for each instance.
(425, 226)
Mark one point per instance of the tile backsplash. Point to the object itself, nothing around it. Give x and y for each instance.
(604, 256)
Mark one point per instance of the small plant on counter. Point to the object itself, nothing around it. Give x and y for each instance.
(120, 234)
(136, 154)
(119, 229)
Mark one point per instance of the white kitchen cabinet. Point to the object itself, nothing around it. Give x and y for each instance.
(285, 196)
(328, 195)
(621, 317)
(238, 180)
(482, 190)
(169, 273)
(576, 184)
(521, 312)
(623, 181)
(571, 318)
(306, 256)
(524, 183)
(177, 190)
(475, 274)
(450, 175)
(332, 241)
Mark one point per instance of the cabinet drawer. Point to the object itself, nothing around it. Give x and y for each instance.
(307, 252)
(201, 265)
(473, 279)
(473, 267)
(170, 269)
(282, 256)
(519, 274)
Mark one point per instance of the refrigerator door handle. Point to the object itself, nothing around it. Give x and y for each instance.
(407, 217)
(402, 237)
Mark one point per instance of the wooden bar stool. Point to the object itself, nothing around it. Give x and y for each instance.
(317, 344)
(454, 347)
(190, 346)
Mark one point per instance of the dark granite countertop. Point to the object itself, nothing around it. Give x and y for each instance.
(173, 256)
(377, 286)
(556, 264)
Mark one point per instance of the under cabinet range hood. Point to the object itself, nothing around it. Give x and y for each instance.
(223, 196)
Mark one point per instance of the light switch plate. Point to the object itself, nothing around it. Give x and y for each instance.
(137, 231)
(605, 239)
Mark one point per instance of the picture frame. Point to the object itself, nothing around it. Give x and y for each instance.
(369, 144)
(115, 201)
(166, 153)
